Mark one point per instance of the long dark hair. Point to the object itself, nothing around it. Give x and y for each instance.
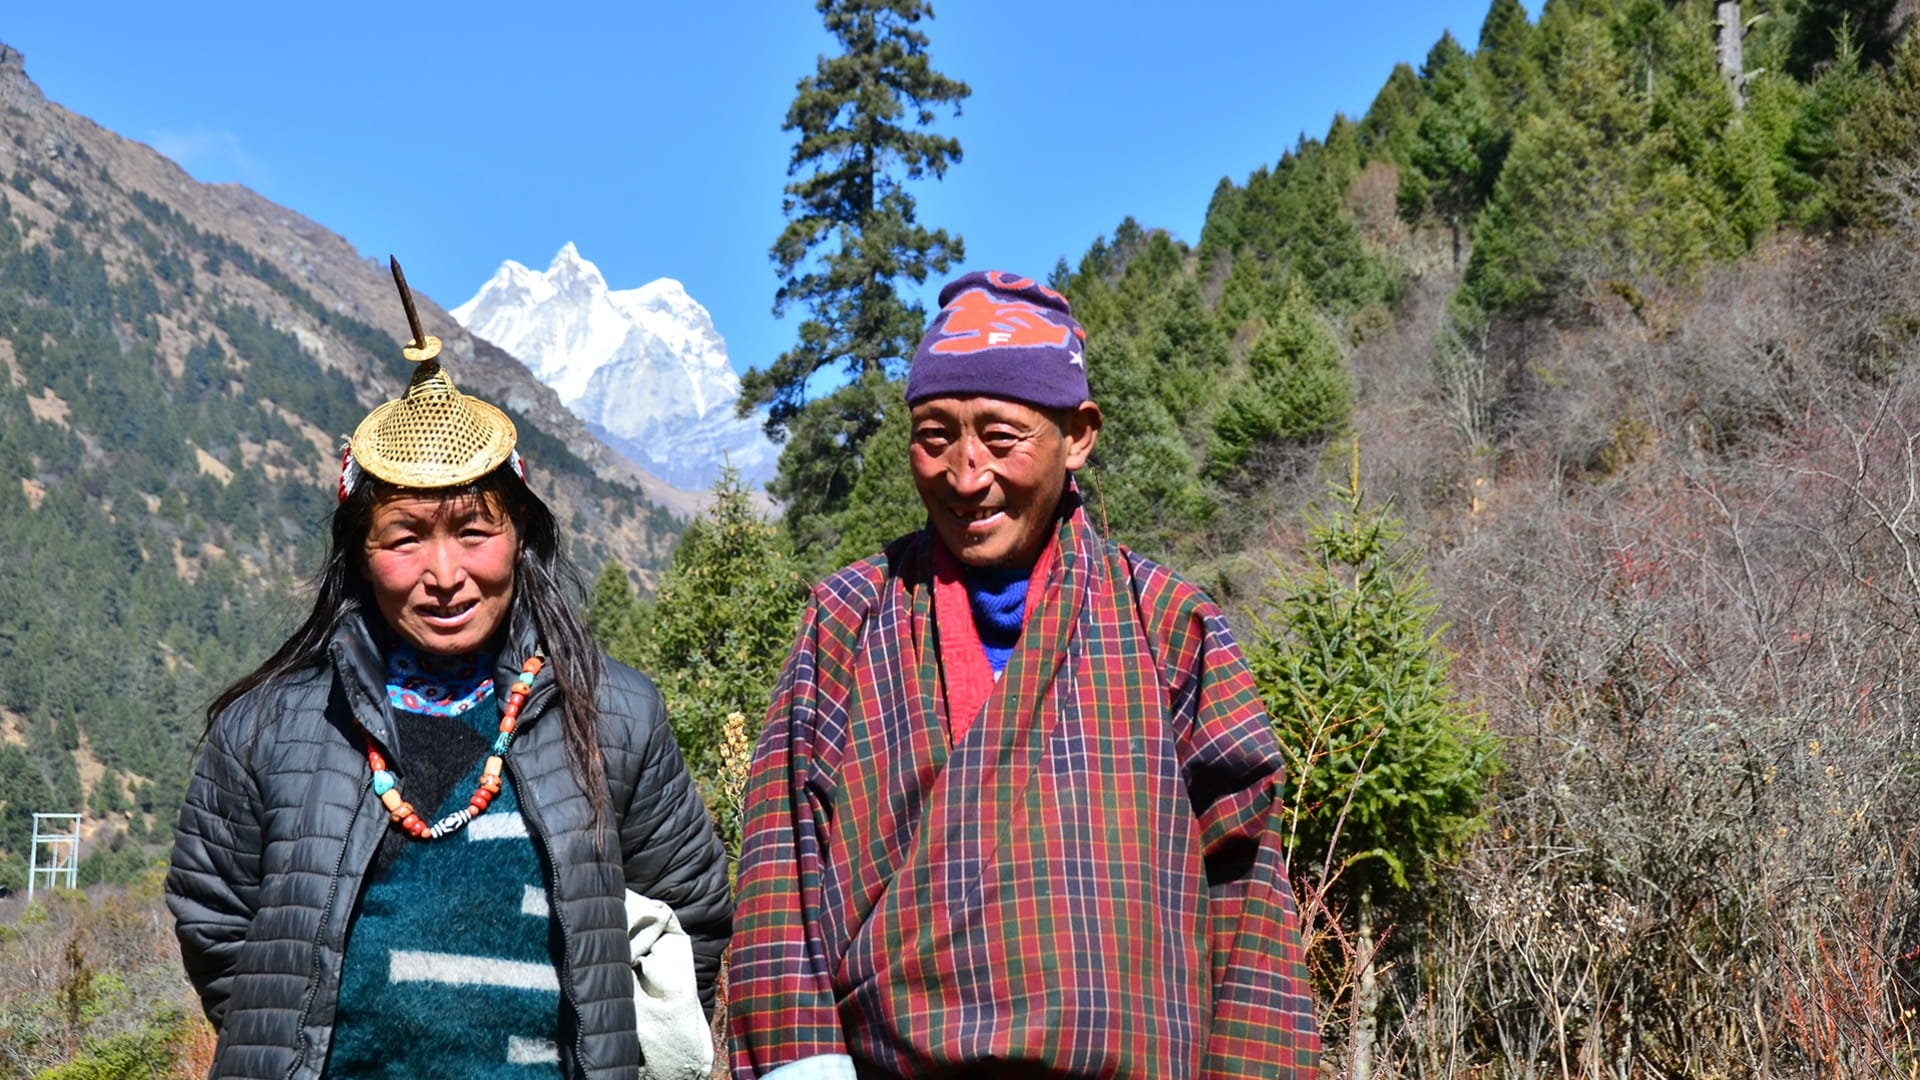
(544, 580)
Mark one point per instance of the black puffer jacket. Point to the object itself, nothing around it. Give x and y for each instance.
(280, 825)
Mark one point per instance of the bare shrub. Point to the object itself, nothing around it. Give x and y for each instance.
(98, 971)
(1684, 584)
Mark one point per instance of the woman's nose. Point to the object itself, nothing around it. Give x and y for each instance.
(443, 565)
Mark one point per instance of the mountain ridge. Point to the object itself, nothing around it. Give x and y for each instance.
(643, 368)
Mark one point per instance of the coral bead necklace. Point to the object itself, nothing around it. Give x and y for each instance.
(403, 812)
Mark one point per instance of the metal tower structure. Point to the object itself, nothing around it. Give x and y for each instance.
(59, 834)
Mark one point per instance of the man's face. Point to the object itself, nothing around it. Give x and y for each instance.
(991, 473)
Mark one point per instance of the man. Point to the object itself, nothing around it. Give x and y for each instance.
(1016, 808)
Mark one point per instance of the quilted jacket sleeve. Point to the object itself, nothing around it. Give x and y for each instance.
(668, 843)
(214, 882)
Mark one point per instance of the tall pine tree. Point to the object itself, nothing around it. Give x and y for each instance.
(1294, 390)
(612, 613)
(1386, 132)
(1506, 63)
(852, 237)
(1456, 151)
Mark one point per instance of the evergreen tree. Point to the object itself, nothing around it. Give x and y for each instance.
(1710, 169)
(1556, 222)
(1295, 220)
(1294, 389)
(851, 234)
(613, 614)
(1387, 131)
(1560, 39)
(107, 797)
(1505, 62)
(63, 778)
(1457, 150)
(1881, 139)
(1817, 173)
(825, 460)
(723, 619)
(1823, 28)
(885, 503)
(1185, 347)
(1386, 770)
(1246, 295)
(1143, 482)
(23, 793)
(1648, 36)
(1220, 230)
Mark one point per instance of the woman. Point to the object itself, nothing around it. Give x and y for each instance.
(386, 865)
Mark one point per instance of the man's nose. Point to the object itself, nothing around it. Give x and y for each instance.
(967, 467)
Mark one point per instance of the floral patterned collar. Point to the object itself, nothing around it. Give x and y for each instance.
(437, 685)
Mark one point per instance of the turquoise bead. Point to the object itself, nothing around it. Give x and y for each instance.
(382, 782)
(525, 679)
(500, 744)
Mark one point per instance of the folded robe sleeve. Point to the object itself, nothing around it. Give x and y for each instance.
(1263, 1009)
(781, 1006)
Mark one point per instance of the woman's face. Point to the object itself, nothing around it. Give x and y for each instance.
(441, 569)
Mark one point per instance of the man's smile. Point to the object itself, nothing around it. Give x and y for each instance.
(976, 515)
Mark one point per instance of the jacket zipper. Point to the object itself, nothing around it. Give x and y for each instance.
(320, 931)
(559, 907)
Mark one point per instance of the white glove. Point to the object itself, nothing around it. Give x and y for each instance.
(675, 1043)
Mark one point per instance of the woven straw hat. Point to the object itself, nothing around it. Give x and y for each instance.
(433, 436)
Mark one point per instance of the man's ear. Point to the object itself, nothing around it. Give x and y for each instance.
(1082, 431)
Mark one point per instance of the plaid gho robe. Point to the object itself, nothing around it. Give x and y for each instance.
(1089, 884)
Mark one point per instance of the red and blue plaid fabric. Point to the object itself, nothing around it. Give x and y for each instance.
(1090, 883)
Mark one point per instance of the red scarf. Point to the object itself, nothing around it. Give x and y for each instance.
(965, 674)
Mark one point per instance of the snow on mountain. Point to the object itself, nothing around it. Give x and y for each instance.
(643, 367)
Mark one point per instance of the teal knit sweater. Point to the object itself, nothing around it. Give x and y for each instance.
(451, 960)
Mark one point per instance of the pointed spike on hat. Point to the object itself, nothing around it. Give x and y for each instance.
(421, 347)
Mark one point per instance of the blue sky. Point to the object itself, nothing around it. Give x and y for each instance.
(458, 135)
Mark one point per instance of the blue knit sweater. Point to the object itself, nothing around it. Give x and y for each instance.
(999, 599)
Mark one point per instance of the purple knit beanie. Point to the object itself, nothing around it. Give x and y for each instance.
(1001, 335)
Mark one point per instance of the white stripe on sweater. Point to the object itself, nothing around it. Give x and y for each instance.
(496, 827)
(534, 902)
(456, 970)
(524, 1051)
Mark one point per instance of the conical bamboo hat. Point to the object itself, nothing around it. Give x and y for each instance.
(433, 436)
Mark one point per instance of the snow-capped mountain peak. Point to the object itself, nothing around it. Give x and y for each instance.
(573, 276)
(644, 367)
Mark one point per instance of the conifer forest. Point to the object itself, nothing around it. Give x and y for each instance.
(1550, 433)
